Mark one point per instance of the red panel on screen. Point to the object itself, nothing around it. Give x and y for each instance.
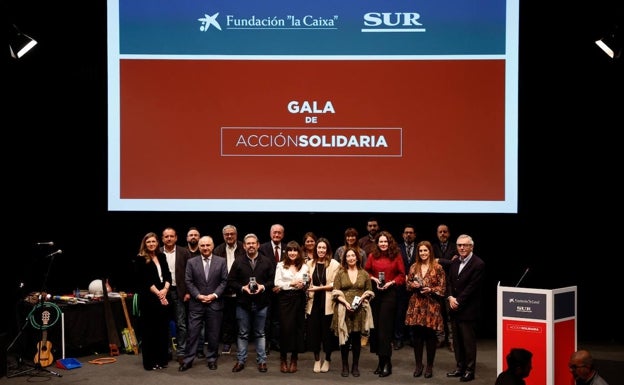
(531, 336)
(445, 121)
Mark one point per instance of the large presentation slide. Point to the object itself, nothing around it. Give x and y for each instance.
(327, 106)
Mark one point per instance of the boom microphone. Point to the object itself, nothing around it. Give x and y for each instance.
(45, 243)
(59, 251)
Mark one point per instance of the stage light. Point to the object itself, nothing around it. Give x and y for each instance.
(611, 44)
(20, 43)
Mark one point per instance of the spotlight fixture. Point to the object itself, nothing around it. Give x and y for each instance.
(20, 43)
(611, 44)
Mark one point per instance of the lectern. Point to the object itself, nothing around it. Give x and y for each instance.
(542, 321)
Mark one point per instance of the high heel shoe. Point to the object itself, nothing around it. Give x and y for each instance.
(419, 371)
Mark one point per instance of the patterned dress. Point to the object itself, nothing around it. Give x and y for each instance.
(426, 309)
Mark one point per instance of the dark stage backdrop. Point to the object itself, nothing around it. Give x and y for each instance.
(55, 169)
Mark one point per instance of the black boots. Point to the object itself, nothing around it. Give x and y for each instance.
(355, 371)
(345, 368)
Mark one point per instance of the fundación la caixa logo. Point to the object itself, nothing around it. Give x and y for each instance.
(524, 305)
(378, 22)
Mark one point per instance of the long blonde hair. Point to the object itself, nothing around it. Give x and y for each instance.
(143, 248)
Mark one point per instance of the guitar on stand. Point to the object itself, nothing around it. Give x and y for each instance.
(50, 314)
(44, 347)
(129, 333)
(113, 336)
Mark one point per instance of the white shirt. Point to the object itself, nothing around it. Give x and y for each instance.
(171, 256)
(463, 262)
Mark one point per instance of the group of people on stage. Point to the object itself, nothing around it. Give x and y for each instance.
(302, 297)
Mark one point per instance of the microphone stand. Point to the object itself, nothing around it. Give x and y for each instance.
(37, 368)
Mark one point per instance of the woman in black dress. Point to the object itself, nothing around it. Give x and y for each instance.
(154, 281)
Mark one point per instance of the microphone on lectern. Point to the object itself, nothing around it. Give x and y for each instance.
(523, 275)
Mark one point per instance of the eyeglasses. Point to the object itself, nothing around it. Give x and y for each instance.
(574, 367)
(464, 245)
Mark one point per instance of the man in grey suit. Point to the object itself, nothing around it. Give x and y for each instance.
(206, 280)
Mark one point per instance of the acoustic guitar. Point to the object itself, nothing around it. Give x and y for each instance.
(133, 342)
(44, 347)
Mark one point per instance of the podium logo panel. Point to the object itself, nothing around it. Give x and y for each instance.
(524, 305)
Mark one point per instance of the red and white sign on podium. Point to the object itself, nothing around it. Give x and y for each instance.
(542, 321)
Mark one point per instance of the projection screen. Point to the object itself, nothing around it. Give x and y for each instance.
(313, 106)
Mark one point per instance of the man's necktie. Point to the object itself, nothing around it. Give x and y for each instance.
(207, 267)
(277, 254)
(443, 247)
(409, 253)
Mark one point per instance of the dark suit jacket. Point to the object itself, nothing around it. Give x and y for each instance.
(220, 250)
(402, 289)
(241, 270)
(444, 258)
(147, 275)
(467, 288)
(268, 250)
(403, 249)
(196, 282)
(238, 253)
(182, 256)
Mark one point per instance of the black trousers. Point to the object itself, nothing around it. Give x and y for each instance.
(465, 344)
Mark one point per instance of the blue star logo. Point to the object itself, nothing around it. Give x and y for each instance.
(209, 20)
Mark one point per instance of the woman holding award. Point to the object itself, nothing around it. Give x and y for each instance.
(352, 314)
(427, 283)
(387, 271)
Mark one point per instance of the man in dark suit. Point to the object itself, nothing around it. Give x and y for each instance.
(206, 280)
(177, 256)
(275, 249)
(402, 332)
(230, 249)
(445, 251)
(465, 281)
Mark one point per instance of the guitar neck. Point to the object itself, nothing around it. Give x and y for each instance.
(125, 310)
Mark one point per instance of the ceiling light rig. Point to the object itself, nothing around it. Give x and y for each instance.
(611, 44)
(20, 43)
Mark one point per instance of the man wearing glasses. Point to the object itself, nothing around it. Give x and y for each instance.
(581, 367)
(230, 249)
(465, 280)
